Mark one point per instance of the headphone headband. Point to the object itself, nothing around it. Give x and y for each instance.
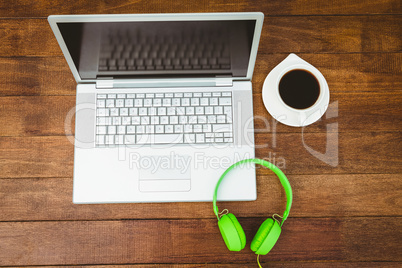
(282, 178)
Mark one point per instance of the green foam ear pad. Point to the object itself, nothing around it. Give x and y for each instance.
(232, 232)
(266, 237)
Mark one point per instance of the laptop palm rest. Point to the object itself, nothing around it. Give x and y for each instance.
(165, 176)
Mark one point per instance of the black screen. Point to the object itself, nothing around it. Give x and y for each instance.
(159, 49)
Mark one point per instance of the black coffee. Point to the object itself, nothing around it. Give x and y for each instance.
(299, 89)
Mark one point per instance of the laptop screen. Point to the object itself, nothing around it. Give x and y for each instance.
(159, 48)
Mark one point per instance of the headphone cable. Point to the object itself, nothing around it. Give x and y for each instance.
(258, 261)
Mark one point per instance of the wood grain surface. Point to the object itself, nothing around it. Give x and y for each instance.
(344, 215)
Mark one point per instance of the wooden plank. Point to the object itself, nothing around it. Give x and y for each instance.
(356, 112)
(315, 264)
(291, 7)
(50, 199)
(300, 34)
(172, 241)
(365, 153)
(35, 76)
(346, 73)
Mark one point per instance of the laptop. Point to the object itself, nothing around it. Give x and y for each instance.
(163, 104)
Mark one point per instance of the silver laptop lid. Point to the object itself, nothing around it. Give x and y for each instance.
(159, 46)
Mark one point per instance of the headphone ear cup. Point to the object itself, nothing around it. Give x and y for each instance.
(232, 232)
(266, 237)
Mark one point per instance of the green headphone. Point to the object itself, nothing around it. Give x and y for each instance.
(270, 229)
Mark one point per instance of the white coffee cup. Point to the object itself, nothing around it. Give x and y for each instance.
(277, 106)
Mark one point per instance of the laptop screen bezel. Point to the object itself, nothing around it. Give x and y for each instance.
(257, 16)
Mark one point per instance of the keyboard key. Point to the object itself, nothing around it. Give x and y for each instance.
(152, 111)
(126, 120)
(111, 96)
(178, 128)
(216, 94)
(150, 129)
(204, 101)
(174, 120)
(154, 120)
(101, 96)
(195, 101)
(189, 138)
(119, 139)
(171, 111)
(140, 129)
(100, 139)
(142, 111)
(200, 138)
(157, 102)
(221, 119)
(185, 102)
(116, 121)
(188, 128)
(213, 101)
(159, 139)
(192, 119)
(159, 129)
(225, 101)
(212, 119)
(162, 111)
(135, 120)
(145, 120)
(111, 130)
(101, 130)
(138, 102)
(100, 103)
(121, 130)
(167, 102)
(121, 96)
(189, 110)
(222, 127)
(199, 110)
(169, 129)
(197, 94)
(183, 119)
(218, 110)
(176, 102)
(197, 128)
(109, 139)
(164, 120)
(102, 112)
(202, 119)
(147, 102)
(124, 112)
(129, 103)
(133, 111)
(109, 103)
(129, 139)
(207, 128)
(209, 110)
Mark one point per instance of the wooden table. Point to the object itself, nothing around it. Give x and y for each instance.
(347, 214)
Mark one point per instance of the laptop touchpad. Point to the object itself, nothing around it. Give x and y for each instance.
(165, 174)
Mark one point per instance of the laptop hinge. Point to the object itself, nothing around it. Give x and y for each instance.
(180, 82)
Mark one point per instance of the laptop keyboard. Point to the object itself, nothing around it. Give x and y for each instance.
(164, 118)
